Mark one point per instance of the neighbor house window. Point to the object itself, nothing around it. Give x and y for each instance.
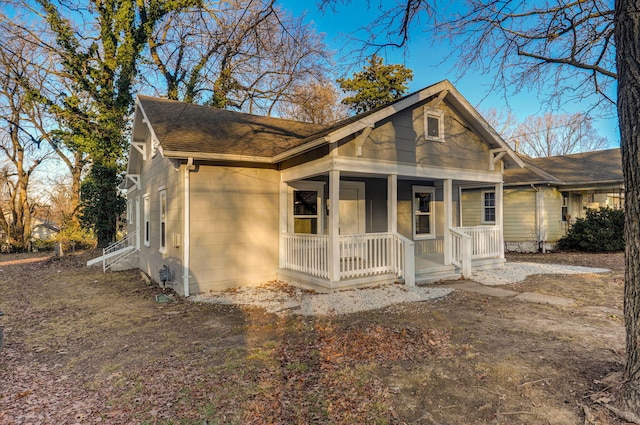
(163, 221)
(147, 224)
(305, 211)
(434, 125)
(423, 217)
(488, 207)
(565, 207)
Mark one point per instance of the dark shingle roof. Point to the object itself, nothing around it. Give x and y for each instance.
(187, 127)
(586, 167)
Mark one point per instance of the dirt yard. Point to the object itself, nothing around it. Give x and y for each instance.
(83, 347)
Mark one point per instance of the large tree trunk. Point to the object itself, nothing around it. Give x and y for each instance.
(627, 38)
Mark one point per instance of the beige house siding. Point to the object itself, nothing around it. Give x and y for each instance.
(519, 215)
(234, 227)
(471, 208)
(158, 173)
(402, 139)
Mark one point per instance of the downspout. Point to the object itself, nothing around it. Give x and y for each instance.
(187, 226)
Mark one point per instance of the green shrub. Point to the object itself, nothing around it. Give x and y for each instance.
(75, 237)
(40, 245)
(601, 230)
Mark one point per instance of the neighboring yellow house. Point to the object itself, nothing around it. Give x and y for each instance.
(542, 200)
(220, 199)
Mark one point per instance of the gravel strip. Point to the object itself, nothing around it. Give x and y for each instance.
(517, 272)
(280, 298)
(295, 300)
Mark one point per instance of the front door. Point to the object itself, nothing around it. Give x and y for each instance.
(352, 208)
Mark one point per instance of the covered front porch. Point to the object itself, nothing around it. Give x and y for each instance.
(345, 227)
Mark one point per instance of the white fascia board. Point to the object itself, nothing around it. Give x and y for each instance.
(216, 156)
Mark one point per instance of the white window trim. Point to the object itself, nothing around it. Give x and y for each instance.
(439, 115)
(483, 221)
(307, 185)
(162, 211)
(414, 213)
(146, 206)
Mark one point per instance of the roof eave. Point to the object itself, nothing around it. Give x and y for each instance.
(217, 157)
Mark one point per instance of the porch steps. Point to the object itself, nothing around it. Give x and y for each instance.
(122, 259)
(436, 273)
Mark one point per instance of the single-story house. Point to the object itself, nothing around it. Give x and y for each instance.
(543, 199)
(218, 199)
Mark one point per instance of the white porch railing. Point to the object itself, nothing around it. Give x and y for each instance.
(306, 253)
(486, 241)
(377, 253)
(360, 255)
(461, 248)
(117, 251)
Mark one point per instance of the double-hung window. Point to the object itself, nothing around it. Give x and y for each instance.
(565, 207)
(305, 211)
(163, 221)
(306, 207)
(488, 207)
(147, 220)
(423, 215)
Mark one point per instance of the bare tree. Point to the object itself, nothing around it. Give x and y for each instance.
(316, 102)
(21, 148)
(557, 134)
(40, 78)
(242, 54)
(504, 122)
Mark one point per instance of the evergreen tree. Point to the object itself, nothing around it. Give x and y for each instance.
(376, 85)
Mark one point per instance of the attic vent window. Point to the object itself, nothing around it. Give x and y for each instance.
(434, 125)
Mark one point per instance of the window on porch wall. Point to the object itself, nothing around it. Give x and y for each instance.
(305, 211)
(488, 207)
(423, 223)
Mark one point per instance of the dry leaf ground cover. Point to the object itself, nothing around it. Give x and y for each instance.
(82, 347)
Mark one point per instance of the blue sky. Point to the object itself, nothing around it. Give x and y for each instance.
(426, 62)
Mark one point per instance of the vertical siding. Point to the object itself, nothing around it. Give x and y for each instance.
(234, 227)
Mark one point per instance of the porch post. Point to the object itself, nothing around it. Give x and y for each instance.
(334, 226)
(448, 210)
(392, 203)
(284, 216)
(499, 215)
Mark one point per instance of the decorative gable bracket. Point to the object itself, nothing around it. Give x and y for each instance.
(142, 148)
(362, 137)
(135, 178)
(496, 155)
